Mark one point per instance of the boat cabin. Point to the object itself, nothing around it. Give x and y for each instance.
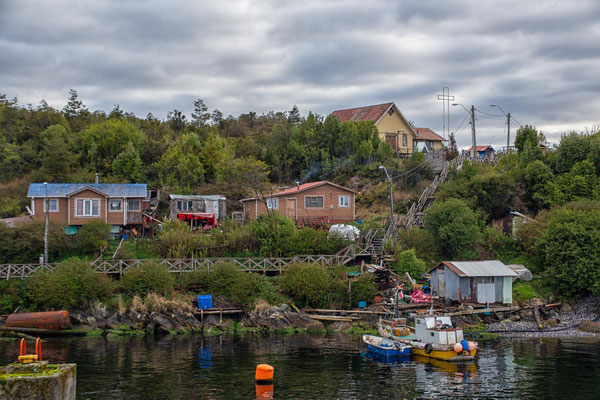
(437, 330)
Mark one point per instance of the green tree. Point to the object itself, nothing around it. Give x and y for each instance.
(526, 135)
(92, 236)
(456, 229)
(57, 157)
(274, 233)
(537, 180)
(180, 167)
(200, 115)
(570, 252)
(494, 193)
(407, 261)
(103, 142)
(573, 148)
(128, 165)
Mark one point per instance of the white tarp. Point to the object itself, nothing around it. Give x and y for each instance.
(346, 232)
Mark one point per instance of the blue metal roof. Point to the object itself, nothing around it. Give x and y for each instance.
(109, 189)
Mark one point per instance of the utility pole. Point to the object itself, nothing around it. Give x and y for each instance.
(508, 132)
(474, 154)
(391, 201)
(47, 223)
(445, 96)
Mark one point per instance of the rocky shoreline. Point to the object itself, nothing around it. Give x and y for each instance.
(98, 321)
(572, 321)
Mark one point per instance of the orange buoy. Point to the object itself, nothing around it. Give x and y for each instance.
(458, 347)
(472, 346)
(264, 374)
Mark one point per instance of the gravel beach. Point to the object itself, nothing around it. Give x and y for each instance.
(586, 309)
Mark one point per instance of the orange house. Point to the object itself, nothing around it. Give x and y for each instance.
(316, 201)
(76, 204)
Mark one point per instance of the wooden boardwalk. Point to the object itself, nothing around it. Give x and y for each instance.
(182, 265)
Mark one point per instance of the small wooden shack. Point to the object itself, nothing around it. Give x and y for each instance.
(196, 204)
(483, 282)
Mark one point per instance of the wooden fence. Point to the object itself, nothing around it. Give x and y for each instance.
(180, 265)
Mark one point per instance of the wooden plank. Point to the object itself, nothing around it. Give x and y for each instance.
(484, 310)
(331, 318)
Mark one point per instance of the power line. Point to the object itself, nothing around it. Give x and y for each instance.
(490, 115)
(513, 118)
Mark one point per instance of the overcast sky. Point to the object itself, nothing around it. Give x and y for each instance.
(539, 60)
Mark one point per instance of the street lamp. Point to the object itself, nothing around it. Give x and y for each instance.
(473, 135)
(47, 223)
(507, 125)
(391, 200)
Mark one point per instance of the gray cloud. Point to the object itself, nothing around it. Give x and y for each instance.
(538, 60)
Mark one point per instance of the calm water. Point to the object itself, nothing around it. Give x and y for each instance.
(318, 367)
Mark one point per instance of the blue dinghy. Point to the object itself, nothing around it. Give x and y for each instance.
(386, 347)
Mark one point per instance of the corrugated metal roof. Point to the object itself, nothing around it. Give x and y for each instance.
(428, 134)
(196, 197)
(368, 113)
(480, 268)
(109, 189)
(302, 188)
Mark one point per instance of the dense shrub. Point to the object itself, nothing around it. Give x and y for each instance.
(74, 283)
(498, 245)
(195, 281)
(315, 241)
(14, 293)
(274, 233)
(147, 278)
(407, 261)
(177, 240)
(569, 251)
(227, 281)
(363, 289)
(307, 284)
(423, 242)
(92, 236)
(25, 243)
(456, 229)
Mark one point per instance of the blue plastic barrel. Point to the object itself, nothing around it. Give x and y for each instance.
(362, 304)
(204, 301)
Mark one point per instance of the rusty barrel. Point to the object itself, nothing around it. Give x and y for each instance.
(54, 320)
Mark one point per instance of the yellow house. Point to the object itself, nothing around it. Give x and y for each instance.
(428, 139)
(391, 124)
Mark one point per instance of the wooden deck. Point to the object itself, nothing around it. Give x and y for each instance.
(178, 265)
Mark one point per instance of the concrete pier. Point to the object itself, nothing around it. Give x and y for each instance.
(38, 380)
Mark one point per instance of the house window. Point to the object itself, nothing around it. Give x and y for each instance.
(313, 202)
(184, 205)
(429, 144)
(52, 205)
(87, 208)
(273, 203)
(486, 279)
(344, 201)
(390, 111)
(115, 205)
(404, 140)
(133, 205)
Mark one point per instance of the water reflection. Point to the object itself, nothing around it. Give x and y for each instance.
(318, 366)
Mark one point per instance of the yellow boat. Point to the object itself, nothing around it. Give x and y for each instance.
(434, 337)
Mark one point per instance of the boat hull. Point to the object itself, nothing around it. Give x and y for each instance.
(387, 352)
(446, 355)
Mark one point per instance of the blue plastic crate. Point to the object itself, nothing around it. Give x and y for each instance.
(205, 301)
(362, 304)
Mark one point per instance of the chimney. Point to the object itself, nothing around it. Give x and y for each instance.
(97, 180)
(298, 185)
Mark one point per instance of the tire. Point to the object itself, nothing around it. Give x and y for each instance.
(428, 348)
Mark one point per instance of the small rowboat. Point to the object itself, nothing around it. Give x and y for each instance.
(385, 347)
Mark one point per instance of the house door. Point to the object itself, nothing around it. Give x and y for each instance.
(486, 293)
(441, 282)
(392, 140)
(291, 208)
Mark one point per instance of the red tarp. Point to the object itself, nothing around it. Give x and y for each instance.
(203, 218)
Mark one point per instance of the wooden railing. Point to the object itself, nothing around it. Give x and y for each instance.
(179, 265)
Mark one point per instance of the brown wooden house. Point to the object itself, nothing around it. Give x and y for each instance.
(76, 204)
(310, 202)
